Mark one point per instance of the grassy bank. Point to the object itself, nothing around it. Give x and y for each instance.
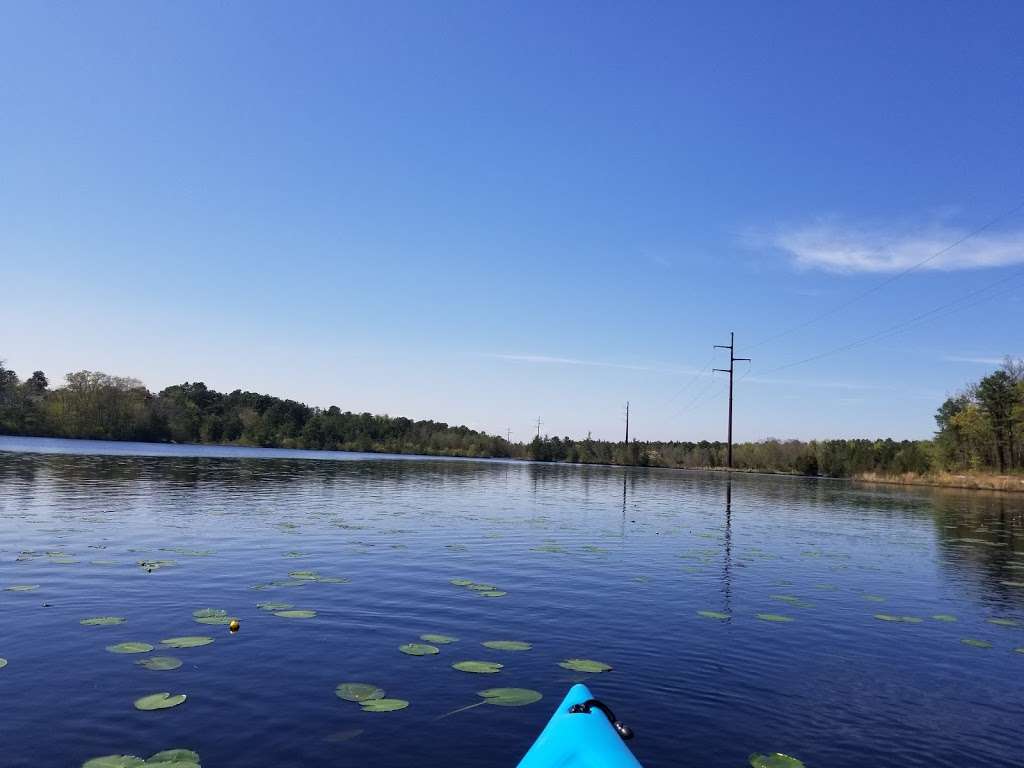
(977, 481)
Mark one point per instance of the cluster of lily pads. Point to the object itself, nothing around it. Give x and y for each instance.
(285, 610)
(774, 760)
(168, 758)
(484, 590)
(370, 697)
(300, 578)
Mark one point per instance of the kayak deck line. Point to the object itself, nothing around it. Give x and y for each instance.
(582, 733)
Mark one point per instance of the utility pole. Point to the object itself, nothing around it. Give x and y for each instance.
(538, 427)
(508, 435)
(732, 365)
(627, 422)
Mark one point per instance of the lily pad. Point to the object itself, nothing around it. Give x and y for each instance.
(478, 667)
(114, 761)
(212, 616)
(492, 593)
(714, 615)
(903, 619)
(358, 692)
(1019, 650)
(304, 575)
(296, 614)
(190, 641)
(480, 587)
(384, 705)
(130, 648)
(102, 621)
(874, 598)
(160, 663)
(1004, 622)
(3, 663)
(775, 617)
(507, 645)
(774, 760)
(271, 605)
(975, 643)
(461, 582)
(585, 665)
(510, 697)
(944, 617)
(156, 701)
(438, 639)
(174, 757)
(21, 588)
(419, 649)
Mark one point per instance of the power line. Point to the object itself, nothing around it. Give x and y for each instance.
(930, 314)
(689, 382)
(889, 280)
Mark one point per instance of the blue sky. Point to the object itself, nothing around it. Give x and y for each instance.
(487, 213)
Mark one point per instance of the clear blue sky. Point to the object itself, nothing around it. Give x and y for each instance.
(488, 212)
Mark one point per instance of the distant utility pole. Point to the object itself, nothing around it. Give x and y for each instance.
(627, 422)
(538, 427)
(508, 435)
(732, 364)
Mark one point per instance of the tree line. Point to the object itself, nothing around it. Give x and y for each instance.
(980, 428)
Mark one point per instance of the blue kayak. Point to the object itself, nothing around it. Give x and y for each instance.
(581, 734)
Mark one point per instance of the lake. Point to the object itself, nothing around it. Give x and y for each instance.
(817, 637)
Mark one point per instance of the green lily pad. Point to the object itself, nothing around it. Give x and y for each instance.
(774, 760)
(492, 593)
(419, 649)
(296, 614)
(130, 648)
(334, 580)
(304, 575)
(1004, 622)
(174, 757)
(212, 616)
(21, 588)
(159, 701)
(438, 639)
(272, 606)
(791, 600)
(478, 667)
(480, 587)
(714, 615)
(190, 641)
(874, 598)
(3, 663)
(384, 705)
(974, 643)
(507, 645)
(944, 617)
(1019, 650)
(114, 761)
(461, 582)
(510, 697)
(775, 617)
(160, 663)
(903, 619)
(358, 692)
(155, 565)
(102, 621)
(585, 665)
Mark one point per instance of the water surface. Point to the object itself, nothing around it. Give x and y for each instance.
(603, 563)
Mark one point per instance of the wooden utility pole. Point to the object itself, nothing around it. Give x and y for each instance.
(627, 422)
(538, 427)
(732, 365)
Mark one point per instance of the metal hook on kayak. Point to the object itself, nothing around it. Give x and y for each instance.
(624, 731)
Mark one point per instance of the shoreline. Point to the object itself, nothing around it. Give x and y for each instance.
(969, 481)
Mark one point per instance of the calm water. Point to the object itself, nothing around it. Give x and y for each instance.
(600, 563)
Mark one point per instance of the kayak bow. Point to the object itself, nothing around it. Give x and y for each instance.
(581, 734)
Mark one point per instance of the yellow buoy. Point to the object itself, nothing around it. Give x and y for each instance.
(233, 626)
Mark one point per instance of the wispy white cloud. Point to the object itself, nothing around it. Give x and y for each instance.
(979, 360)
(555, 360)
(837, 246)
(550, 360)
